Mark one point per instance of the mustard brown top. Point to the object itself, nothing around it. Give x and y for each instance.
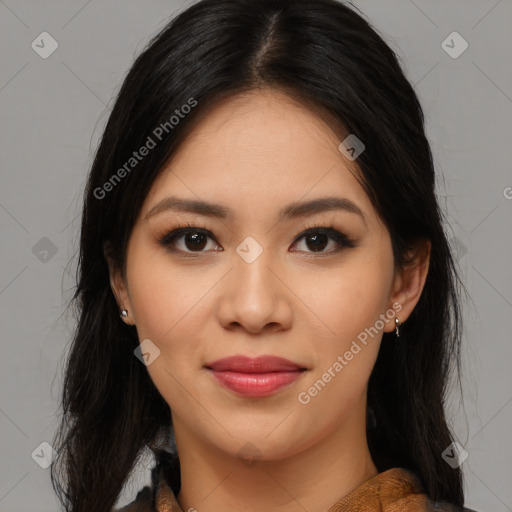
(394, 490)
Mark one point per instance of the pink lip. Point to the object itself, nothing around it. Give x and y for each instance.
(258, 377)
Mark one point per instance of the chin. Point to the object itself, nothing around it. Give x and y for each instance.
(252, 446)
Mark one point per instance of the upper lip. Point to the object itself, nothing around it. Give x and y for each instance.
(260, 364)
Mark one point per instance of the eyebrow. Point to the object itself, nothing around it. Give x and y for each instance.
(290, 211)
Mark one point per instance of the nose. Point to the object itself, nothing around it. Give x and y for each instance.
(255, 298)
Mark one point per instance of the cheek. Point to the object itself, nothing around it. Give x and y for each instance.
(350, 299)
(347, 348)
(162, 296)
(349, 304)
(165, 302)
(332, 395)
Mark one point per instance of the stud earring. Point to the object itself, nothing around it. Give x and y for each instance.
(397, 330)
(123, 313)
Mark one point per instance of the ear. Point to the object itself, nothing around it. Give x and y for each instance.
(118, 285)
(409, 282)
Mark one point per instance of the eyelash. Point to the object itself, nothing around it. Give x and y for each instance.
(169, 238)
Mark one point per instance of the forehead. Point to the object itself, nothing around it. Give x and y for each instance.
(259, 149)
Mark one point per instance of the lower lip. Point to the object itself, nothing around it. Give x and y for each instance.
(256, 384)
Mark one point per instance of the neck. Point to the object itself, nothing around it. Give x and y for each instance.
(313, 479)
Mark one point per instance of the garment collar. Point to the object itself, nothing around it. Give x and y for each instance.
(394, 490)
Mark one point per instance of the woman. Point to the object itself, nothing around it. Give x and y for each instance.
(264, 277)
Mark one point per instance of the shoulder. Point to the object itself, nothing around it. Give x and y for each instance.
(393, 490)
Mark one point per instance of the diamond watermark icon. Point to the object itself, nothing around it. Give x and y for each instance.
(44, 250)
(454, 45)
(249, 454)
(455, 455)
(147, 352)
(249, 250)
(44, 45)
(458, 248)
(351, 147)
(43, 455)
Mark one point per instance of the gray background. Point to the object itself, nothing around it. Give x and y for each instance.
(53, 112)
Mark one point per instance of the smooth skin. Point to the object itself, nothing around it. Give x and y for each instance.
(305, 299)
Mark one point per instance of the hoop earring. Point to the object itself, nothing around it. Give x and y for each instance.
(397, 330)
(123, 313)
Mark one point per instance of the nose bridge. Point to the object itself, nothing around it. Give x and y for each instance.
(255, 297)
(251, 271)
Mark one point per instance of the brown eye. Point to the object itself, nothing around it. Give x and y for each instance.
(317, 239)
(187, 240)
(195, 241)
(317, 242)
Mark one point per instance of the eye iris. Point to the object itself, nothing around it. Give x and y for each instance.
(195, 241)
(319, 241)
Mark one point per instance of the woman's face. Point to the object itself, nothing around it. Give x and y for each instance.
(244, 282)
